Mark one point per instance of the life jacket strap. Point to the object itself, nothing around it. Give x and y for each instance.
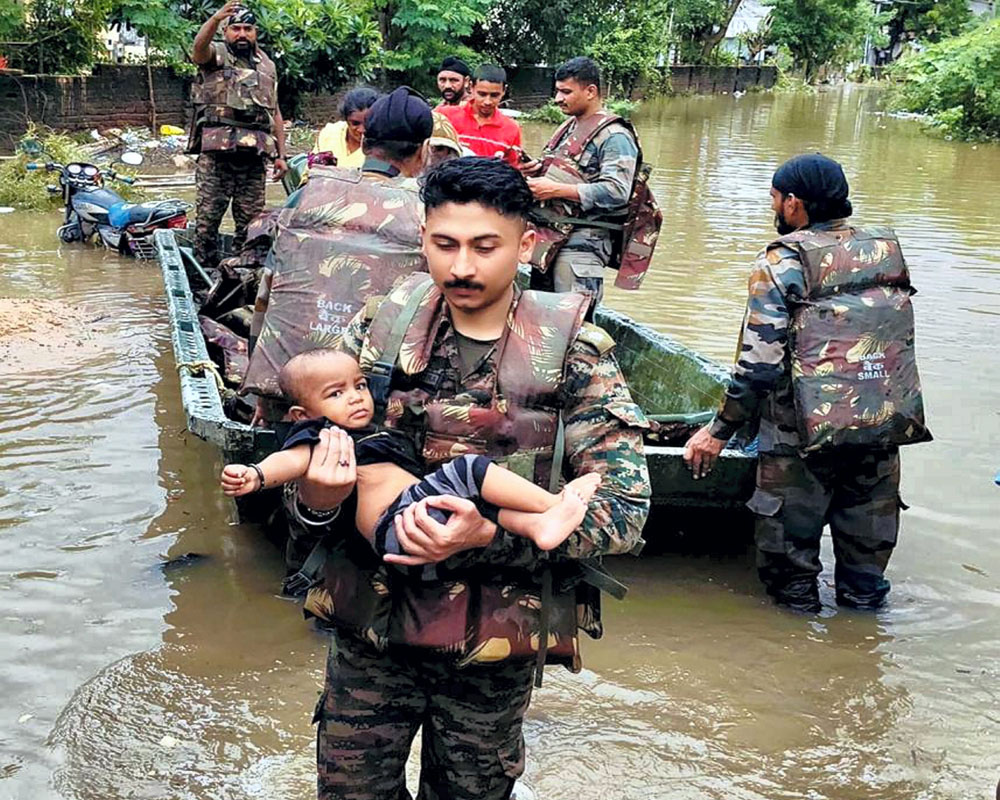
(381, 372)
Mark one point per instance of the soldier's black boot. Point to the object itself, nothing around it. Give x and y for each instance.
(798, 593)
(862, 587)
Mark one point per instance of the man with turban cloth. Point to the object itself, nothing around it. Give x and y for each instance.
(830, 302)
(453, 80)
(236, 126)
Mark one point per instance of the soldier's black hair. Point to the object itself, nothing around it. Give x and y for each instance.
(391, 150)
(490, 73)
(487, 181)
(360, 99)
(580, 69)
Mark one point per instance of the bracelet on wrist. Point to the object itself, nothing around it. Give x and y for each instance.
(260, 477)
(316, 516)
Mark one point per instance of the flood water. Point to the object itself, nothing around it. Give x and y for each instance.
(121, 679)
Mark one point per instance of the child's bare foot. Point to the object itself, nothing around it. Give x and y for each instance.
(584, 486)
(551, 528)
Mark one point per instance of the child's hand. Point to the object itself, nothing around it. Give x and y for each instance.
(238, 480)
(584, 486)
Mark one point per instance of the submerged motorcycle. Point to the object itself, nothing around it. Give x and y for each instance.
(91, 208)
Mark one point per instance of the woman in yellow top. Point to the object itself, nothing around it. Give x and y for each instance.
(343, 138)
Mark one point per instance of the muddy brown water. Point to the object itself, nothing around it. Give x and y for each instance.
(120, 679)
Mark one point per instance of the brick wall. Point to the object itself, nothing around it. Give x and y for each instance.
(113, 96)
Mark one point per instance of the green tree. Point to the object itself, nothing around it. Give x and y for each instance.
(956, 81)
(825, 32)
(11, 19)
(61, 35)
(927, 21)
(623, 36)
(698, 26)
(162, 23)
(318, 44)
(627, 41)
(417, 34)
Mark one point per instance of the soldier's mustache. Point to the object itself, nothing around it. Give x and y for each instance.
(463, 283)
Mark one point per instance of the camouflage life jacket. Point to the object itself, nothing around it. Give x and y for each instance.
(479, 613)
(351, 236)
(633, 234)
(853, 362)
(234, 106)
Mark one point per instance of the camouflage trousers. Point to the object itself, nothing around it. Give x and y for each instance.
(223, 177)
(374, 702)
(857, 494)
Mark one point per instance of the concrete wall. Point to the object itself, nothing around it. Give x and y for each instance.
(716, 80)
(117, 96)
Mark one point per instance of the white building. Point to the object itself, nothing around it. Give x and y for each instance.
(748, 19)
(124, 45)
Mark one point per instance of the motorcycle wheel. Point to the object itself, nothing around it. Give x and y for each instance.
(69, 233)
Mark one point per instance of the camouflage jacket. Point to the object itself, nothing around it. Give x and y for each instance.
(826, 355)
(234, 101)
(603, 430)
(490, 603)
(607, 162)
(761, 385)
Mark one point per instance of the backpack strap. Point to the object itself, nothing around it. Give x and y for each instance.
(380, 375)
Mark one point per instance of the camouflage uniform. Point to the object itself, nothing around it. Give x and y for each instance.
(232, 130)
(608, 164)
(472, 746)
(350, 236)
(472, 709)
(238, 176)
(855, 490)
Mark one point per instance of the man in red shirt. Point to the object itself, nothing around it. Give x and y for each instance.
(481, 125)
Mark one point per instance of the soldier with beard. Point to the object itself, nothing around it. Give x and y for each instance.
(826, 364)
(453, 82)
(236, 126)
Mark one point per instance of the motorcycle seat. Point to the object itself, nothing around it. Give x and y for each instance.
(121, 215)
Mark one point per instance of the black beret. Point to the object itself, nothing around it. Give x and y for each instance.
(401, 116)
(455, 64)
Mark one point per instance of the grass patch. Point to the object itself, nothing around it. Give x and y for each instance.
(26, 189)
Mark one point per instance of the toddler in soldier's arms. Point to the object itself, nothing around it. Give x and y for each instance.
(329, 391)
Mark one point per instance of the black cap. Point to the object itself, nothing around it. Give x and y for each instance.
(455, 64)
(401, 116)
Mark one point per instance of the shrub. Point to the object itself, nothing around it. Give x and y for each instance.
(956, 82)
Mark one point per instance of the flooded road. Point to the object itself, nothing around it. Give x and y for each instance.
(122, 678)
